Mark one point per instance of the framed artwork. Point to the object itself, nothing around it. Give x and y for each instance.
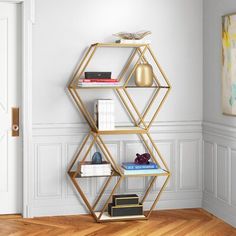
(229, 64)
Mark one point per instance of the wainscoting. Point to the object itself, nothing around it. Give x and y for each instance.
(51, 192)
(219, 196)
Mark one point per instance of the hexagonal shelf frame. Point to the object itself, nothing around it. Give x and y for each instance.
(141, 128)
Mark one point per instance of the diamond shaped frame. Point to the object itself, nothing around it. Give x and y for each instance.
(141, 52)
(139, 49)
(117, 172)
(76, 175)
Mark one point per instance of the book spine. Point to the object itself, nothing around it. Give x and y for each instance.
(95, 110)
(147, 171)
(110, 114)
(101, 115)
(139, 167)
(99, 80)
(97, 84)
(95, 168)
(85, 168)
(91, 75)
(95, 174)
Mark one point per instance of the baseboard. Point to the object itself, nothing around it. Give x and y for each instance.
(219, 208)
(79, 210)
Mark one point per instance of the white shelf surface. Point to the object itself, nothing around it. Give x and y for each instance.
(106, 216)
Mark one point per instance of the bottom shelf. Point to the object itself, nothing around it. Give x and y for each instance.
(106, 216)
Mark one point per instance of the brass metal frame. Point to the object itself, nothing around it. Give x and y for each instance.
(140, 127)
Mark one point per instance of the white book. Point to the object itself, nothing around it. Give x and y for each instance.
(88, 166)
(112, 121)
(95, 168)
(105, 114)
(95, 174)
(99, 84)
(110, 114)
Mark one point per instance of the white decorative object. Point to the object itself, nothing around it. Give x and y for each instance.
(104, 114)
(133, 36)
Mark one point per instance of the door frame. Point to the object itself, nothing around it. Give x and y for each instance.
(28, 18)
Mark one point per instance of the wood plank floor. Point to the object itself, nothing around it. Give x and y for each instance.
(169, 222)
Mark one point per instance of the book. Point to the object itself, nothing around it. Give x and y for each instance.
(90, 174)
(133, 41)
(125, 199)
(125, 210)
(94, 74)
(107, 80)
(104, 114)
(133, 166)
(108, 171)
(88, 166)
(89, 169)
(97, 84)
(143, 172)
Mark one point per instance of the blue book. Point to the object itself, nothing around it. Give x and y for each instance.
(144, 172)
(133, 166)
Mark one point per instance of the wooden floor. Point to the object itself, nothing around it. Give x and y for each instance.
(171, 222)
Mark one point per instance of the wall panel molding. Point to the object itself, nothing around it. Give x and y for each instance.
(189, 164)
(48, 171)
(233, 177)
(220, 157)
(167, 149)
(222, 173)
(208, 166)
(48, 129)
(67, 138)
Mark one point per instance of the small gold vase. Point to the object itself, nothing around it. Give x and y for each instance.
(144, 75)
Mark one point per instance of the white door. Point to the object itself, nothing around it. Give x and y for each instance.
(10, 96)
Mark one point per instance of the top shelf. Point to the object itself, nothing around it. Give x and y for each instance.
(120, 45)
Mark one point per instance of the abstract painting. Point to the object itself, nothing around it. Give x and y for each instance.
(229, 64)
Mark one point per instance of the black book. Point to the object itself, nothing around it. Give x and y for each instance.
(97, 75)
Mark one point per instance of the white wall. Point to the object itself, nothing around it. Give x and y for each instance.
(61, 33)
(64, 29)
(219, 131)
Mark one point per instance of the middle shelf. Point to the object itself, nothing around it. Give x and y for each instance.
(159, 172)
(121, 130)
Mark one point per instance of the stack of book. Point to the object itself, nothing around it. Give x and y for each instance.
(104, 114)
(98, 79)
(125, 205)
(98, 83)
(87, 169)
(130, 168)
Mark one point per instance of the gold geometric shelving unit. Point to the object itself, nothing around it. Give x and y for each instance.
(140, 126)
